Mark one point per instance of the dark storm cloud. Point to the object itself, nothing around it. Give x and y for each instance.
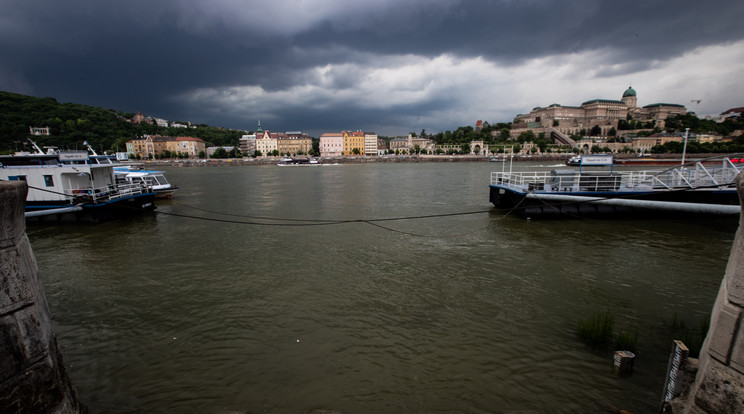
(142, 55)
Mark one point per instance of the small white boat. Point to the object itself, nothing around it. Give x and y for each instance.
(576, 160)
(153, 180)
(298, 161)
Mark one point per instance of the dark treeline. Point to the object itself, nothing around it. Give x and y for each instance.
(71, 124)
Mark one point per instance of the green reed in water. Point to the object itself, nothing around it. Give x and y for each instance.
(692, 337)
(596, 331)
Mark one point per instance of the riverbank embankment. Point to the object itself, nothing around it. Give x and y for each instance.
(715, 382)
(659, 159)
(32, 375)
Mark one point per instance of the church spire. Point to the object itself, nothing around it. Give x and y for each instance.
(259, 127)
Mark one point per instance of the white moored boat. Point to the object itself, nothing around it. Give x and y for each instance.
(73, 186)
(153, 180)
(708, 187)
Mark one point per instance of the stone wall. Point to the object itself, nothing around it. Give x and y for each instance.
(32, 375)
(718, 386)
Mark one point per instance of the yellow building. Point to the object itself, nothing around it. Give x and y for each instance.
(151, 146)
(294, 143)
(186, 145)
(353, 140)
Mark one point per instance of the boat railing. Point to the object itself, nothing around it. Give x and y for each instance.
(698, 176)
(593, 181)
(126, 190)
(519, 179)
(105, 193)
(561, 180)
(683, 177)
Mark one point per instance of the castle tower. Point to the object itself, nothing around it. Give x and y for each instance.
(629, 98)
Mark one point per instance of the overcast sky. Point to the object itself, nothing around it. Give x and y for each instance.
(388, 66)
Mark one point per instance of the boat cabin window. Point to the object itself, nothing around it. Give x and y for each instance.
(49, 181)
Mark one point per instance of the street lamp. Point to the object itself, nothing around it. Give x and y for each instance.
(684, 148)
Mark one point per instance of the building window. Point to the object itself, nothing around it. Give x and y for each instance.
(48, 181)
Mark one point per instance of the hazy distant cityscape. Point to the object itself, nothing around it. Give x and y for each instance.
(597, 125)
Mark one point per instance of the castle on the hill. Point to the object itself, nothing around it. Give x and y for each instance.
(604, 113)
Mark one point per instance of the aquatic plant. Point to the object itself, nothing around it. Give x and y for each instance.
(596, 331)
(692, 337)
(626, 340)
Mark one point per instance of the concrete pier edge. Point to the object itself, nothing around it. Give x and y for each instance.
(32, 375)
(716, 381)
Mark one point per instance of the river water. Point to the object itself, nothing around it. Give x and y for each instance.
(249, 310)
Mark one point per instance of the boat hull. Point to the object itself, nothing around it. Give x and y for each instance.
(40, 212)
(615, 204)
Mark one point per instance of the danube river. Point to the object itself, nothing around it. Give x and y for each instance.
(280, 298)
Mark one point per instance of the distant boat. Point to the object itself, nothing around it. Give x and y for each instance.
(708, 187)
(575, 160)
(298, 162)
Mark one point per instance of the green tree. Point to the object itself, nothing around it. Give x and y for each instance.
(504, 134)
(542, 144)
(526, 136)
(219, 153)
(316, 146)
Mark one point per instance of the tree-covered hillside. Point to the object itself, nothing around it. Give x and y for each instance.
(71, 124)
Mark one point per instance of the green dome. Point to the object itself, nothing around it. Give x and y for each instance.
(629, 92)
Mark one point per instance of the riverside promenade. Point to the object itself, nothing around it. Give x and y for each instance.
(660, 159)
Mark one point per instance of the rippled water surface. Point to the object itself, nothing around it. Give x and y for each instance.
(471, 313)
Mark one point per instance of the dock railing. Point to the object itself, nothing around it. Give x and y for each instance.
(597, 181)
(699, 176)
